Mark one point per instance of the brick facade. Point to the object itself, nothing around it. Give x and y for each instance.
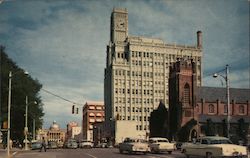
(204, 104)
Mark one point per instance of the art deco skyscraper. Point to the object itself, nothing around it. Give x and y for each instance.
(137, 73)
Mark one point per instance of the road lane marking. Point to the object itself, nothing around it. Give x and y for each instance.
(90, 155)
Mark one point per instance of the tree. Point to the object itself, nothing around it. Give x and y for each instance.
(158, 121)
(22, 86)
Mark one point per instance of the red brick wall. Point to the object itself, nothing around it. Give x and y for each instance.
(203, 108)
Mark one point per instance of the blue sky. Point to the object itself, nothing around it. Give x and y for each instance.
(63, 43)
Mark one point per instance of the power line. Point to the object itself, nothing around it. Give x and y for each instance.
(58, 96)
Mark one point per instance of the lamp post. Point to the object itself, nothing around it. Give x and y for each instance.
(228, 97)
(9, 105)
(26, 121)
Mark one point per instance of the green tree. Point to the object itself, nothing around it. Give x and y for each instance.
(22, 86)
(158, 121)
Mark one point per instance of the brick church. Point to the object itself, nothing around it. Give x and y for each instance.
(196, 111)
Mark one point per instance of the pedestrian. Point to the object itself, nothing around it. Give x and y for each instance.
(43, 145)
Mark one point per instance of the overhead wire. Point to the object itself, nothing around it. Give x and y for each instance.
(58, 96)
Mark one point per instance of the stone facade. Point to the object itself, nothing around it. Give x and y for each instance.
(54, 134)
(137, 72)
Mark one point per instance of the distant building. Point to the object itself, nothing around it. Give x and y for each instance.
(74, 131)
(54, 133)
(93, 112)
(70, 125)
(195, 111)
(137, 72)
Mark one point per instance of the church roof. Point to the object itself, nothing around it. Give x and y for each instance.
(211, 94)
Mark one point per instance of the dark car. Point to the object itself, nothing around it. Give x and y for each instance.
(52, 145)
(36, 145)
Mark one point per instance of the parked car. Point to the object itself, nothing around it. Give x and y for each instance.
(86, 144)
(102, 145)
(71, 143)
(161, 145)
(60, 144)
(36, 145)
(52, 145)
(133, 145)
(212, 146)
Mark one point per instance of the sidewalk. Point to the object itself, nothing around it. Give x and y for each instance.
(13, 151)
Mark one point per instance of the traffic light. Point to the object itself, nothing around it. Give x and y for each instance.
(73, 109)
(76, 110)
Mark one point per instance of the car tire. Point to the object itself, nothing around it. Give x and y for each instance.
(209, 155)
(169, 152)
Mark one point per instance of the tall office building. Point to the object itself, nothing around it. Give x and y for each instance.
(137, 74)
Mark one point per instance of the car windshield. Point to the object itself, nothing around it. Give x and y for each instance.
(162, 140)
(134, 140)
(221, 141)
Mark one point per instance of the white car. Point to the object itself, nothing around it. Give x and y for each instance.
(161, 145)
(86, 144)
(133, 145)
(212, 146)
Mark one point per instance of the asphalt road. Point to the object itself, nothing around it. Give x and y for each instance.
(91, 153)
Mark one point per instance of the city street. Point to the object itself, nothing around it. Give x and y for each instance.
(91, 153)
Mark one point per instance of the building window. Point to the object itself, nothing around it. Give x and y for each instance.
(225, 109)
(241, 109)
(211, 108)
(186, 96)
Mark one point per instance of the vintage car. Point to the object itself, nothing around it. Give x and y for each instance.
(86, 144)
(52, 145)
(133, 145)
(213, 146)
(71, 143)
(161, 145)
(36, 145)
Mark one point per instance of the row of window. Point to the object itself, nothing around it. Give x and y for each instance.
(211, 109)
(138, 82)
(138, 73)
(139, 91)
(147, 63)
(133, 109)
(96, 107)
(134, 100)
(160, 55)
(134, 118)
(139, 127)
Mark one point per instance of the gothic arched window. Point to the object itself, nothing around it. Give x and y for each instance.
(186, 97)
(211, 108)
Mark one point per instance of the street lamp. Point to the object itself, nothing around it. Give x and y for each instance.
(26, 121)
(228, 97)
(9, 105)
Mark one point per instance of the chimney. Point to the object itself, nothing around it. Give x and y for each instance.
(199, 39)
